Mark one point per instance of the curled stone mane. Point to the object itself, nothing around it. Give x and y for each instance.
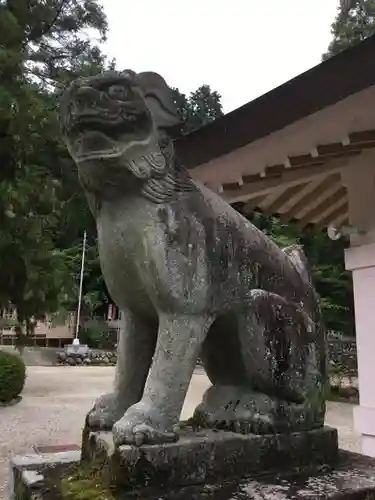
(175, 179)
(159, 174)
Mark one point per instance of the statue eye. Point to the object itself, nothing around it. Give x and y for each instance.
(118, 92)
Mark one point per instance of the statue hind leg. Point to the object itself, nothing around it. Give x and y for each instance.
(280, 383)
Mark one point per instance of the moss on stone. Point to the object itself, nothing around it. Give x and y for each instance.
(86, 484)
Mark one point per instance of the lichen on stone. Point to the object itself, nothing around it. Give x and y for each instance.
(84, 483)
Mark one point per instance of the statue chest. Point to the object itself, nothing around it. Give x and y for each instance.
(121, 250)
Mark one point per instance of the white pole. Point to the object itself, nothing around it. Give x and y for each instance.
(76, 339)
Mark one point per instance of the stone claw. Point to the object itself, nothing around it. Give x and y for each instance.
(141, 425)
(105, 412)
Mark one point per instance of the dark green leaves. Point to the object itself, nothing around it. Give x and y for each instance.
(355, 21)
(202, 107)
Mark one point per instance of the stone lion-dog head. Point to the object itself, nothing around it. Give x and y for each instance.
(116, 124)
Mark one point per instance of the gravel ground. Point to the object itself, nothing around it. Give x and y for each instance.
(56, 399)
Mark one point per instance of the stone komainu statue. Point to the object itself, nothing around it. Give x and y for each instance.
(192, 277)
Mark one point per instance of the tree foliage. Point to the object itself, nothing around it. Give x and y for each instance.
(43, 211)
(354, 22)
(198, 109)
(42, 46)
(326, 260)
(48, 39)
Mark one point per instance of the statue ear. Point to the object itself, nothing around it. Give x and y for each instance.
(159, 98)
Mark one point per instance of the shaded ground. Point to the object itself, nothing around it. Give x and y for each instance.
(56, 399)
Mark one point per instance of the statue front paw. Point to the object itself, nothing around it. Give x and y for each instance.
(141, 425)
(105, 412)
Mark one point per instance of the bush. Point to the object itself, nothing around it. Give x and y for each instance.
(97, 334)
(12, 376)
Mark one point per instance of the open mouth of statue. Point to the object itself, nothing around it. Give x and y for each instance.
(101, 134)
(121, 122)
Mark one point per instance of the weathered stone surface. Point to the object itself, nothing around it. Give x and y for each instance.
(29, 472)
(352, 478)
(191, 276)
(206, 456)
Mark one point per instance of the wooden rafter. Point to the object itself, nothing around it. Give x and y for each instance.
(323, 153)
(323, 207)
(325, 202)
(304, 160)
(362, 136)
(253, 203)
(331, 217)
(290, 177)
(311, 197)
(341, 220)
(289, 193)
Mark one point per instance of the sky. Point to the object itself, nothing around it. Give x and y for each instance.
(241, 48)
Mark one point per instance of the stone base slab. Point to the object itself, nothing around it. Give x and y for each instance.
(205, 456)
(353, 477)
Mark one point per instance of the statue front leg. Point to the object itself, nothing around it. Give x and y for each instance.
(152, 419)
(135, 349)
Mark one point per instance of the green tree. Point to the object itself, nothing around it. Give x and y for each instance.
(355, 21)
(201, 107)
(48, 38)
(42, 45)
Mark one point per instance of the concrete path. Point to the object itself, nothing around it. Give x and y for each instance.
(56, 399)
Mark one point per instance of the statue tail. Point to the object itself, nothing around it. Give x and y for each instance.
(298, 258)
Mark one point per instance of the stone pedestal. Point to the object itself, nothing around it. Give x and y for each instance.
(40, 476)
(205, 456)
